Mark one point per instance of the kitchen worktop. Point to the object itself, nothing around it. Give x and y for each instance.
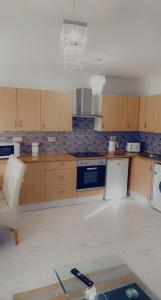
(69, 157)
(47, 157)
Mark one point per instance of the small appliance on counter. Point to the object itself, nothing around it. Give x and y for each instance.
(35, 149)
(113, 144)
(132, 147)
(9, 148)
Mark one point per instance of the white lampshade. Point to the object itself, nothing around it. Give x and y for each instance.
(97, 82)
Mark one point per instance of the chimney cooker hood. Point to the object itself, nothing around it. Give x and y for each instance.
(85, 103)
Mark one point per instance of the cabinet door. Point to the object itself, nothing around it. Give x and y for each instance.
(141, 176)
(8, 109)
(28, 102)
(33, 185)
(114, 113)
(56, 111)
(153, 114)
(3, 163)
(133, 103)
(142, 113)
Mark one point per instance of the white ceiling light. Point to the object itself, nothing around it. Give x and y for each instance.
(97, 82)
(73, 42)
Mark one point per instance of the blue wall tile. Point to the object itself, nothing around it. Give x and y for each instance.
(83, 138)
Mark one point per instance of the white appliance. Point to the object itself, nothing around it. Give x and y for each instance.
(116, 178)
(9, 148)
(156, 191)
(132, 147)
(112, 146)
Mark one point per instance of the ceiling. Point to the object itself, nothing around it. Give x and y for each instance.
(124, 34)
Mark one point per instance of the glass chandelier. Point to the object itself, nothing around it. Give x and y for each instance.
(73, 43)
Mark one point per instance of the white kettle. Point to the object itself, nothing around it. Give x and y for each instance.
(112, 145)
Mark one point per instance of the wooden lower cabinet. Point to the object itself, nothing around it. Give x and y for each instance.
(59, 192)
(2, 170)
(49, 181)
(33, 186)
(141, 176)
(60, 180)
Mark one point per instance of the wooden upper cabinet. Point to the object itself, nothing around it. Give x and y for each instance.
(56, 111)
(8, 109)
(133, 104)
(153, 114)
(142, 113)
(28, 105)
(114, 113)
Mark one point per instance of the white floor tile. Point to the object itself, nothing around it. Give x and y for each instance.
(62, 235)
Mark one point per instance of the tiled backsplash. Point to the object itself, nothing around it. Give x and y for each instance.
(82, 138)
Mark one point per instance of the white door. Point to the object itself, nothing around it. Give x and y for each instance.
(116, 178)
(156, 197)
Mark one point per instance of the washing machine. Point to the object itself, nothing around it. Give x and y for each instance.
(156, 194)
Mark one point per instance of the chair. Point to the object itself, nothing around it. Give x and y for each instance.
(9, 195)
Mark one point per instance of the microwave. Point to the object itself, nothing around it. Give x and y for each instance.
(7, 149)
(133, 147)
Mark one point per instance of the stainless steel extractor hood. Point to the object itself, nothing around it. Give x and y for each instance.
(86, 105)
(83, 102)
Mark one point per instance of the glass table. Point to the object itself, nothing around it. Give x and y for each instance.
(113, 280)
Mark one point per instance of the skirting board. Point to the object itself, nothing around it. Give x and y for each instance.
(59, 203)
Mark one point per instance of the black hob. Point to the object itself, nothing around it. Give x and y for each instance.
(86, 154)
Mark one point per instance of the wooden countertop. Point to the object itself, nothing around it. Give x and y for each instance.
(47, 157)
(69, 157)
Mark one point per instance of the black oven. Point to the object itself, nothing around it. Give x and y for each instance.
(91, 174)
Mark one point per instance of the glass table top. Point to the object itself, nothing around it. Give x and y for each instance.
(108, 274)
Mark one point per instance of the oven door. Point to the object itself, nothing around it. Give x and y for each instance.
(90, 177)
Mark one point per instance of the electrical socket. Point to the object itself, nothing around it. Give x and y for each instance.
(51, 139)
(17, 139)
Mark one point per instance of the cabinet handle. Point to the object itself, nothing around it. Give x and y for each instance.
(43, 124)
(102, 124)
(20, 123)
(16, 123)
(145, 125)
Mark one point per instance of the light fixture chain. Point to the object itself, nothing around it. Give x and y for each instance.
(73, 8)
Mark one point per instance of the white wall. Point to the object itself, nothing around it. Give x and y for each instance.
(122, 86)
(51, 78)
(151, 85)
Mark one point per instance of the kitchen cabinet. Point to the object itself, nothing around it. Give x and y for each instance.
(33, 186)
(28, 107)
(132, 118)
(8, 109)
(119, 113)
(47, 181)
(113, 111)
(141, 176)
(60, 180)
(56, 111)
(2, 170)
(149, 116)
(142, 113)
(153, 114)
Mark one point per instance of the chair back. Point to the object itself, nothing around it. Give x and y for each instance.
(12, 181)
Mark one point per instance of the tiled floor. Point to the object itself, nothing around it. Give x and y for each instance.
(57, 236)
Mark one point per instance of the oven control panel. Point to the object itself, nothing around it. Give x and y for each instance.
(91, 162)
